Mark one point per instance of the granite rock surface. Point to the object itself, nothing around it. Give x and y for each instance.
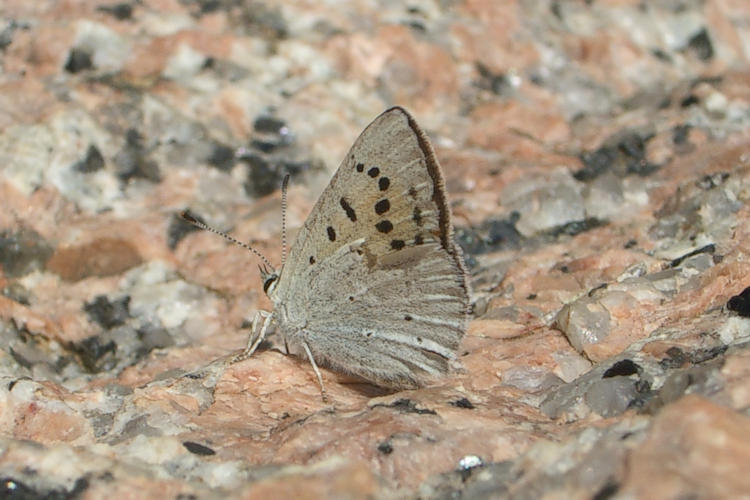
(597, 157)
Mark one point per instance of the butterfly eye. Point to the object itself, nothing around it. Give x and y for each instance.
(269, 281)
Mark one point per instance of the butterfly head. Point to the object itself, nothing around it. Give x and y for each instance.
(269, 276)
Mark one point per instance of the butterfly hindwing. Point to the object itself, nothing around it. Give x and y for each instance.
(396, 323)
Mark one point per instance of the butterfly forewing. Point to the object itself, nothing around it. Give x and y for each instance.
(374, 282)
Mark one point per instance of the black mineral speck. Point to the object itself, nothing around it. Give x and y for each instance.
(700, 45)
(709, 249)
(492, 235)
(632, 149)
(6, 34)
(661, 55)
(575, 227)
(597, 288)
(264, 146)
(497, 83)
(120, 11)
(610, 488)
(108, 313)
(263, 19)
(712, 180)
(623, 153)
(622, 368)
(6, 38)
(675, 358)
(198, 449)
(13, 489)
(707, 353)
(92, 162)
(265, 172)
(269, 125)
(415, 25)
(271, 134)
(405, 405)
(16, 291)
(221, 157)
(133, 160)
(78, 60)
(262, 177)
(385, 448)
(741, 303)
(23, 251)
(463, 403)
(680, 134)
(595, 163)
(503, 233)
(689, 100)
(94, 354)
(208, 6)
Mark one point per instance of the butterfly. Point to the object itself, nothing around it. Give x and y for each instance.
(375, 285)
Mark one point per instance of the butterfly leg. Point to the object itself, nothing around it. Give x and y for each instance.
(316, 370)
(254, 340)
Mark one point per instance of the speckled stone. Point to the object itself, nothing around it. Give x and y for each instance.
(596, 157)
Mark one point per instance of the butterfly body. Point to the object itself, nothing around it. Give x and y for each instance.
(375, 285)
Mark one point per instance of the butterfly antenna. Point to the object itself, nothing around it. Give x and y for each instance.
(189, 217)
(284, 186)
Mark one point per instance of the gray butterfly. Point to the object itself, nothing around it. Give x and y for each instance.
(374, 285)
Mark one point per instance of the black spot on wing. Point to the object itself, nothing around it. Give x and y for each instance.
(417, 216)
(312, 260)
(331, 233)
(384, 226)
(348, 209)
(382, 206)
(373, 172)
(383, 183)
(360, 167)
(397, 244)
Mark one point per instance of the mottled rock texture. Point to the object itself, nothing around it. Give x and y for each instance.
(597, 156)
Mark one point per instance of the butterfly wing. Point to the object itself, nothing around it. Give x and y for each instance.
(375, 284)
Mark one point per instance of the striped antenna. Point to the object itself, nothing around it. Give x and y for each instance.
(284, 186)
(189, 217)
